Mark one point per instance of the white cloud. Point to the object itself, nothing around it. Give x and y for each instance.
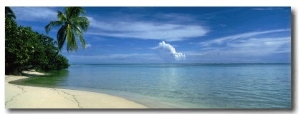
(261, 46)
(34, 13)
(249, 47)
(245, 47)
(168, 52)
(241, 36)
(146, 30)
(126, 28)
(88, 45)
(175, 17)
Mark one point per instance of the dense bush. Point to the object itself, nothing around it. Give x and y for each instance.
(26, 49)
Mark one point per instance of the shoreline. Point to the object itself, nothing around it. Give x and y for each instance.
(19, 96)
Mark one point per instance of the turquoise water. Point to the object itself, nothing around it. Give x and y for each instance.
(237, 86)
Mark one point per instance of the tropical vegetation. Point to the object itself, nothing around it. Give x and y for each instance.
(26, 49)
(72, 24)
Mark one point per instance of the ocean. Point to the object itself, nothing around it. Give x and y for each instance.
(191, 86)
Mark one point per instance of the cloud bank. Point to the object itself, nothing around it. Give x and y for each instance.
(241, 36)
(246, 47)
(146, 30)
(35, 13)
(126, 27)
(168, 52)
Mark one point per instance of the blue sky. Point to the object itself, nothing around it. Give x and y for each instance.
(175, 34)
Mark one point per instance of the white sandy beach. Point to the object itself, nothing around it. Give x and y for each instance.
(17, 96)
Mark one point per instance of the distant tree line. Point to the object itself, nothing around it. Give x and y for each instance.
(26, 49)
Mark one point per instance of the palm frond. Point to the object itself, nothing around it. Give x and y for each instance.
(72, 26)
(71, 41)
(80, 36)
(52, 24)
(82, 22)
(61, 16)
(9, 13)
(61, 36)
(73, 12)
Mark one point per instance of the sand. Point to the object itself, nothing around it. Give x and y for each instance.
(18, 97)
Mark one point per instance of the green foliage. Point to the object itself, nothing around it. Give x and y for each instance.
(26, 49)
(9, 13)
(72, 25)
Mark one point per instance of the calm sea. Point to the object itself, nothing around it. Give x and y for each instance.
(237, 86)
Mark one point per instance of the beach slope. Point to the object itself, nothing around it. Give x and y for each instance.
(18, 97)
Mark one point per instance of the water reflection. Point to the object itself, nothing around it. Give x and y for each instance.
(169, 82)
(55, 79)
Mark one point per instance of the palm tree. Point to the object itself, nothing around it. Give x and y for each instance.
(72, 25)
(9, 13)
